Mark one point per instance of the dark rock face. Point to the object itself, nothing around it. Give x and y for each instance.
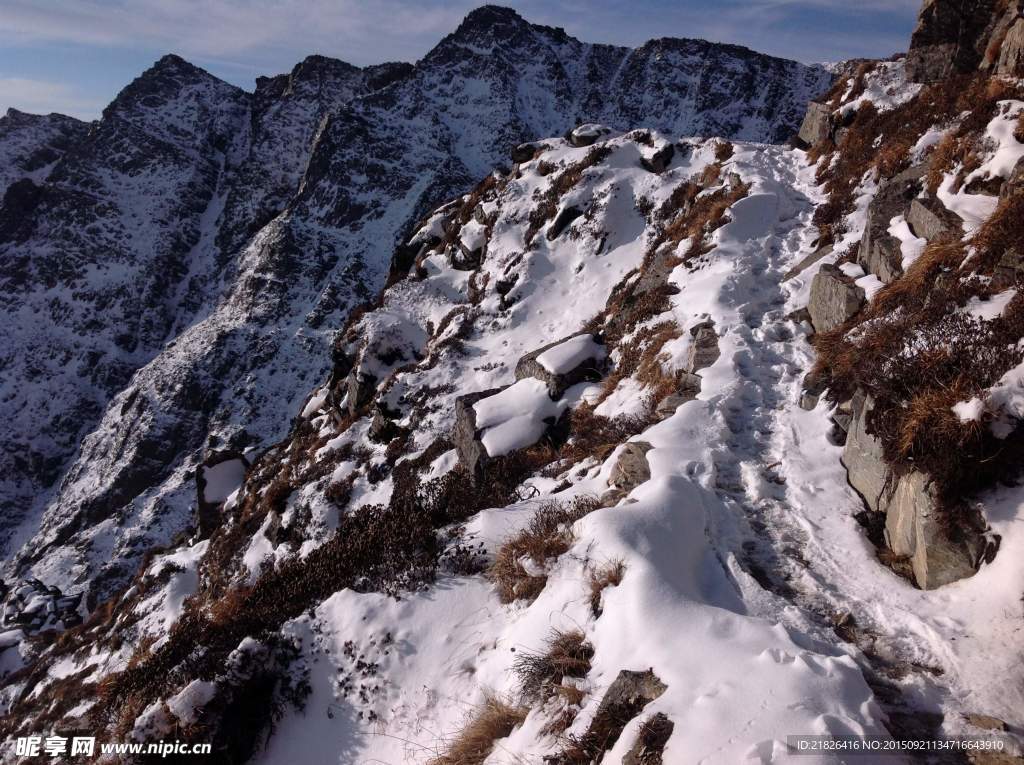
(880, 251)
(962, 36)
(186, 259)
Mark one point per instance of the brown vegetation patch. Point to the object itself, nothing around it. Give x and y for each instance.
(547, 536)
(600, 579)
(567, 654)
(473, 744)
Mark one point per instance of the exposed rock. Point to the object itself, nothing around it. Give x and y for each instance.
(623, 701)
(812, 388)
(687, 390)
(650, 743)
(866, 468)
(986, 722)
(584, 363)
(472, 454)
(562, 221)
(1010, 267)
(817, 125)
(631, 467)
(807, 262)
(659, 161)
(526, 152)
(928, 218)
(834, 298)
(950, 38)
(703, 350)
(382, 428)
(880, 251)
(913, 529)
(1011, 52)
(31, 606)
(220, 473)
(586, 135)
(360, 388)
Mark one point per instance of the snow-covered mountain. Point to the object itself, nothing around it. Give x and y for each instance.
(653, 448)
(174, 273)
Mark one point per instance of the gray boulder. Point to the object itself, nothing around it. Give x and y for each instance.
(817, 125)
(879, 250)
(525, 152)
(703, 351)
(586, 367)
(834, 298)
(913, 530)
(688, 390)
(472, 454)
(929, 219)
(631, 467)
(863, 457)
(659, 160)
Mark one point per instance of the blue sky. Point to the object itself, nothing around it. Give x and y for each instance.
(73, 56)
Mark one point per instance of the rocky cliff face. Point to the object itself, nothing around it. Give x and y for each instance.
(961, 36)
(173, 273)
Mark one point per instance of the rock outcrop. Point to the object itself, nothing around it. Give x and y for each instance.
(834, 298)
(564, 363)
(937, 553)
(703, 350)
(962, 36)
(472, 453)
(880, 252)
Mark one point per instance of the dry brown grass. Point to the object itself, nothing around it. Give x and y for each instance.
(917, 353)
(724, 151)
(547, 536)
(540, 675)
(495, 720)
(600, 579)
(881, 141)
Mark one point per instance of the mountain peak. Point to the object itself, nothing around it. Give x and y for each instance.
(487, 16)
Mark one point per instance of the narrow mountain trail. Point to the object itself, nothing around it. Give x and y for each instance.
(798, 536)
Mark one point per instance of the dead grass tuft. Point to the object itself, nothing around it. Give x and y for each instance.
(567, 654)
(547, 536)
(600, 579)
(472, 745)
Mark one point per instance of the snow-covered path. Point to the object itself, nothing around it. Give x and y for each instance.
(950, 651)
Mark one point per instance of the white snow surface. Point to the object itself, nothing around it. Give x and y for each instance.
(911, 246)
(223, 479)
(514, 418)
(566, 356)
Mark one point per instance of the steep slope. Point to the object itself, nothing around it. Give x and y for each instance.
(30, 144)
(667, 274)
(571, 434)
(299, 195)
(90, 269)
